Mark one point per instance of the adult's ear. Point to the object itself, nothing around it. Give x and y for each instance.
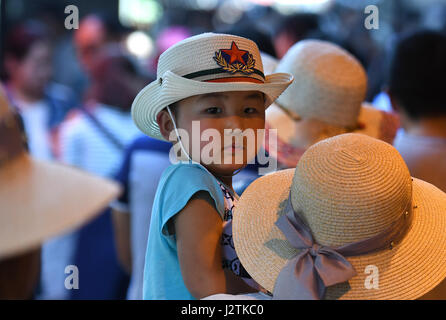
(165, 123)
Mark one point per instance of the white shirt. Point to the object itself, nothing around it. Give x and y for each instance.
(35, 119)
(85, 146)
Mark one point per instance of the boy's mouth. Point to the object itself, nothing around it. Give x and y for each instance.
(233, 148)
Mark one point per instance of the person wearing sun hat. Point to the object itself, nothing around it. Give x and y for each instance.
(38, 200)
(218, 81)
(349, 222)
(178, 80)
(325, 99)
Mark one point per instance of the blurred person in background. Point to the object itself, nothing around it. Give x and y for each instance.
(96, 32)
(417, 92)
(292, 29)
(327, 98)
(94, 139)
(41, 199)
(41, 103)
(89, 40)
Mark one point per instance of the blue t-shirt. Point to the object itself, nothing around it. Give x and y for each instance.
(162, 273)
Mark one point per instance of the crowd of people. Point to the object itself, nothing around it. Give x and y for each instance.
(110, 182)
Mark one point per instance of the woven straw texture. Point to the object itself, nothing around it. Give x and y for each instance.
(372, 122)
(42, 200)
(347, 188)
(193, 55)
(330, 84)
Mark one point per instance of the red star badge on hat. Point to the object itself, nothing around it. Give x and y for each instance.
(235, 53)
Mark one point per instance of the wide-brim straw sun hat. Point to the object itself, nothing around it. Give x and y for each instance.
(371, 122)
(346, 189)
(206, 63)
(39, 199)
(329, 89)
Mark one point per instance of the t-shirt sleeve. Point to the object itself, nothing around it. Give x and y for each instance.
(182, 183)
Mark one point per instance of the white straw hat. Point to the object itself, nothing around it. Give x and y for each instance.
(204, 64)
(328, 94)
(39, 199)
(346, 189)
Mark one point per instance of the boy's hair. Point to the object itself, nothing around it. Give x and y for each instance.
(417, 74)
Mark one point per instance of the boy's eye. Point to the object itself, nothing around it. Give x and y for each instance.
(213, 110)
(250, 110)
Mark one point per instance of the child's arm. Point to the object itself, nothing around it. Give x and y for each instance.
(198, 229)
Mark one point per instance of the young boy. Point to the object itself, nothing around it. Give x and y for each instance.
(207, 87)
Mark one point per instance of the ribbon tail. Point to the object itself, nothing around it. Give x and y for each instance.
(299, 280)
(333, 268)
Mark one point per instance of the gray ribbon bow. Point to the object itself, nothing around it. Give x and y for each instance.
(316, 267)
(306, 276)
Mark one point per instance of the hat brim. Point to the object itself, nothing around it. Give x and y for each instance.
(371, 122)
(408, 271)
(171, 88)
(39, 200)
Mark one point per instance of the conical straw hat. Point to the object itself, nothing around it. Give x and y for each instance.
(327, 96)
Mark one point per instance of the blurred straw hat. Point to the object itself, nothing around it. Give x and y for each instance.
(325, 99)
(39, 199)
(202, 64)
(348, 188)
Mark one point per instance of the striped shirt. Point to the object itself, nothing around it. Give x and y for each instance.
(85, 146)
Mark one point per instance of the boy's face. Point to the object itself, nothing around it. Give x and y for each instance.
(216, 112)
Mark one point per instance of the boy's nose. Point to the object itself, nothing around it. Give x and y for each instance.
(234, 122)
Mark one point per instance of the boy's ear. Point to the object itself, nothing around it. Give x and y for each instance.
(165, 123)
